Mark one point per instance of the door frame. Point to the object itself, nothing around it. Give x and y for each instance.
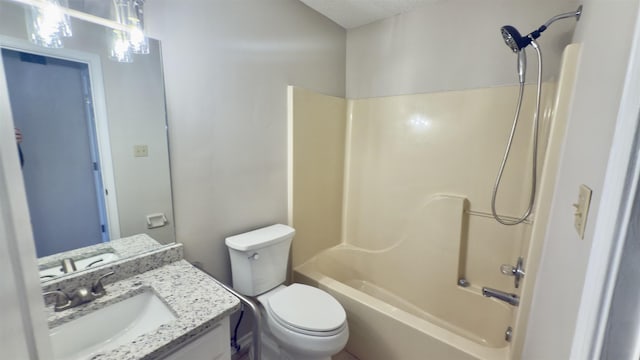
(22, 294)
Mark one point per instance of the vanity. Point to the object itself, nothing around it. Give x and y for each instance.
(156, 306)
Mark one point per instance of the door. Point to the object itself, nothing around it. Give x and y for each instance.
(51, 105)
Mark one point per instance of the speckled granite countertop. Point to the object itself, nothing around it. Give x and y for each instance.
(196, 299)
(123, 268)
(124, 248)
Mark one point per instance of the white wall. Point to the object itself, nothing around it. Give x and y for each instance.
(600, 79)
(622, 331)
(451, 45)
(227, 65)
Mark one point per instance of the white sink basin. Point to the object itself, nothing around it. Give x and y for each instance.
(99, 259)
(107, 328)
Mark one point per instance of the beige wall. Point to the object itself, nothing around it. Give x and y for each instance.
(583, 160)
(227, 66)
(451, 45)
(484, 243)
(402, 150)
(317, 126)
(533, 244)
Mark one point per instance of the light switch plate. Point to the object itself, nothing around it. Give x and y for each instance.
(140, 150)
(582, 209)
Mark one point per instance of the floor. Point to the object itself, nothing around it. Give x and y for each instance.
(343, 355)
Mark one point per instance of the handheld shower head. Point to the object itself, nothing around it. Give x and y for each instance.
(513, 39)
(522, 65)
(517, 42)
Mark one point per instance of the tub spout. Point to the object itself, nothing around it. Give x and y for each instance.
(511, 299)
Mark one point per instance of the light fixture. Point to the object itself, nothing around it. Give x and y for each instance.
(129, 13)
(48, 23)
(120, 48)
(139, 42)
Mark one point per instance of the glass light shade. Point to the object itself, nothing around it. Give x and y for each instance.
(139, 42)
(47, 24)
(120, 49)
(65, 23)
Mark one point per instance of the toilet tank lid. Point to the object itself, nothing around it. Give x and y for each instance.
(260, 238)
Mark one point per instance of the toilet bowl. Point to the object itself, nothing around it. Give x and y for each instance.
(300, 322)
(305, 321)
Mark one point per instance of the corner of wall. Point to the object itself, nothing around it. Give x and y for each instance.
(317, 125)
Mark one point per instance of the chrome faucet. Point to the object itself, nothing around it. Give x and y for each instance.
(79, 296)
(68, 265)
(511, 299)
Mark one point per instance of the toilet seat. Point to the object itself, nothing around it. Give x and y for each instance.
(307, 310)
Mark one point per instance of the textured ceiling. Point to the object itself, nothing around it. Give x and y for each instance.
(353, 13)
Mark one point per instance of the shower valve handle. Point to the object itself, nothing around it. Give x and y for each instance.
(516, 271)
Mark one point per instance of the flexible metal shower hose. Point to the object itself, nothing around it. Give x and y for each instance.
(534, 160)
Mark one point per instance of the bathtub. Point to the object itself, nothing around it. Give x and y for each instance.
(405, 304)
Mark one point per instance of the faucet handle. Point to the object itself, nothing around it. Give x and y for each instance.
(68, 265)
(62, 300)
(516, 271)
(98, 288)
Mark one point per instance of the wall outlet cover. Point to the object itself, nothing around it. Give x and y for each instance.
(140, 150)
(582, 209)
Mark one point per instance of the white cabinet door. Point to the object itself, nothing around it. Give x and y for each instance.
(213, 345)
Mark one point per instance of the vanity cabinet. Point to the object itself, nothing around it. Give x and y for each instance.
(212, 345)
(194, 324)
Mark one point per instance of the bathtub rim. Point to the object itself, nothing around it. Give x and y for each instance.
(441, 334)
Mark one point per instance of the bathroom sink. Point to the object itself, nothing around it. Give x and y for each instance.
(81, 264)
(109, 327)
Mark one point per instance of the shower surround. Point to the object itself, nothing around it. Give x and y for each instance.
(390, 198)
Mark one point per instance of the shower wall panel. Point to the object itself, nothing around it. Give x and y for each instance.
(317, 125)
(402, 150)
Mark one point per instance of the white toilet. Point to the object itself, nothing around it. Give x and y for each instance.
(300, 322)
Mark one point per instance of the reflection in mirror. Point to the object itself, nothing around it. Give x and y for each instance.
(94, 136)
(91, 257)
(51, 104)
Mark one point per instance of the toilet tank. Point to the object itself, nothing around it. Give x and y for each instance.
(259, 258)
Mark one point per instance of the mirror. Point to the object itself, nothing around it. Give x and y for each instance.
(94, 137)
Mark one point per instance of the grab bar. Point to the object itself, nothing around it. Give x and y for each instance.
(257, 317)
(489, 215)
